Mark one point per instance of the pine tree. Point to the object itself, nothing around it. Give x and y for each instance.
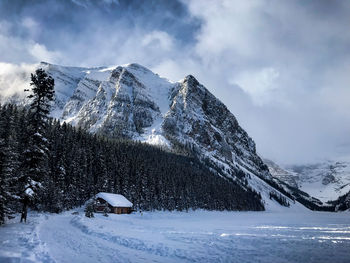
(4, 184)
(90, 209)
(35, 166)
(8, 160)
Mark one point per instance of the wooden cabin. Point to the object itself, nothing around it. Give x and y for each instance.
(116, 203)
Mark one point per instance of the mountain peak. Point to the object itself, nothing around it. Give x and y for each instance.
(191, 80)
(138, 67)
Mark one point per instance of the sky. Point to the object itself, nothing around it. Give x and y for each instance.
(281, 67)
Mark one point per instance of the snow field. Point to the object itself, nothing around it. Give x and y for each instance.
(199, 236)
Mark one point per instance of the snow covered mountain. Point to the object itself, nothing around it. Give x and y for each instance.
(276, 171)
(325, 181)
(133, 102)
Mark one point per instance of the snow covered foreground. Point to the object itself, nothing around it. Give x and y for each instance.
(199, 236)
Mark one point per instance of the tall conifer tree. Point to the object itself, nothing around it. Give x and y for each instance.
(35, 164)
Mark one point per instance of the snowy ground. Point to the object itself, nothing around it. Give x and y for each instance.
(199, 236)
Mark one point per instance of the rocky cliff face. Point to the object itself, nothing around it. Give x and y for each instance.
(198, 118)
(131, 101)
(278, 172)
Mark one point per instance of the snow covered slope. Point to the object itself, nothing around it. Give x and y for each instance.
(325, 181)
(276, 171)
(133, 102)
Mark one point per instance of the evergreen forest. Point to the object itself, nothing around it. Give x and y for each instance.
(75, 165)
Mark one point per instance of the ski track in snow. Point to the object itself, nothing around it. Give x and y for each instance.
(20, 242)
(199, 236)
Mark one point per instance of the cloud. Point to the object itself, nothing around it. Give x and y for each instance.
(40, 52)
(31, 25)
(89, 33)
(259, 85)
(335, 93)
(10, 83)
(18, 50)
(87, 3)
(287, 36)
(280, 66)
(290, 58)
(159, 39)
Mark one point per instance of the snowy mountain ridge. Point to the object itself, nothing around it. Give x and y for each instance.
(284, 175)
(133, 102)
(325, 181)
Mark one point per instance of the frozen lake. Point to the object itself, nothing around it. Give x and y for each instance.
(199, 236)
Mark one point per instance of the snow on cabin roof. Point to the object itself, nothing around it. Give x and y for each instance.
(115, 199)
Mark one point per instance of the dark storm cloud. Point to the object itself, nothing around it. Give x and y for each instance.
(75, 27)
(282, 67)
(75, 16)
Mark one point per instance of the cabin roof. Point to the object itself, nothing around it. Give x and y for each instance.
(115, 200)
